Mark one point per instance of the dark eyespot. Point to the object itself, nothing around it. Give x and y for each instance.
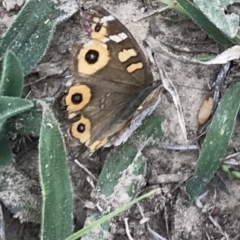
(98, 27)
(81, 127)
(92, 56)
(77, 98)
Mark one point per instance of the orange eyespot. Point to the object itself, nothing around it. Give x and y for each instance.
(92, 57)
(77, 98)
(81, 129)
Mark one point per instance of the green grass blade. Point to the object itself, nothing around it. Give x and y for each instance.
(29, 35)
(216, 141)
(107, 217)
(57, 205)
(11, 81)
(207, 26)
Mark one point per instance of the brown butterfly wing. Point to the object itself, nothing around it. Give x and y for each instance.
(111, 80)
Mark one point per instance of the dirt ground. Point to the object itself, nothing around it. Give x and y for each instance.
(217, 217)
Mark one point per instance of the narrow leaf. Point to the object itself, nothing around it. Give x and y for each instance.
(57, 202)
(151, 128)
(216, 141)
(11, 81)
(29, 35)
(113, 168)
(28, 122)
(5, 151)
(207, 26)
(214, 11)
(10, 106)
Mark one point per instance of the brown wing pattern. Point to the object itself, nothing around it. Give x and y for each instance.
(110, 77)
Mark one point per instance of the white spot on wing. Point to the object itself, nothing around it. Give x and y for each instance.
(107, 19)
(118, 38)
(123, 35)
